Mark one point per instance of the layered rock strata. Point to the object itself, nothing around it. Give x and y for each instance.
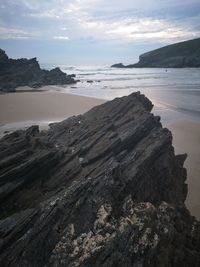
(100, 189)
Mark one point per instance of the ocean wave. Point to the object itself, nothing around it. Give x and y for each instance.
(179, 89)
(68, 68)
(121, 74)
(103, 79)
(92, 70)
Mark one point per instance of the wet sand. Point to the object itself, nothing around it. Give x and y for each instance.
(27, 108)
(186, 139)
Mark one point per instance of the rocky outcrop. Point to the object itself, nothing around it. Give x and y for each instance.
(180, 55)
(118, 65)
(22, 72)
(100, 189)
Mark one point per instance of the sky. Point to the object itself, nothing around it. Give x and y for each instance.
(76, 32)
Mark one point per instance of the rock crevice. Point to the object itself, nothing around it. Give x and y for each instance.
(99, 189)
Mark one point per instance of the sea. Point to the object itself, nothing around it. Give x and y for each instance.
(174, 92)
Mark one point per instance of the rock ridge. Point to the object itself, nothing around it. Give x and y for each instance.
(99, 189)
(180, 55)
(27, 72)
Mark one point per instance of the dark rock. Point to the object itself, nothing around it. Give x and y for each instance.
(72, 75)
(21, 72)
(118, 65)
(180, 55)
(10, 222)
(89, 81)
(100, 189)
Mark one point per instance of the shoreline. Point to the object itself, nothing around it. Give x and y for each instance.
(23, 109)
(186, 139)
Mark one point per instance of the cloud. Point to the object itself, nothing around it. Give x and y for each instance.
(17, 34)
(149, 29)
(45, 14)
(116, 21)
(13, 33)
(139, 29)
(61, 38)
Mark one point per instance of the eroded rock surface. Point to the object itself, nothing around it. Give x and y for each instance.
(27, 72)
(100, 189)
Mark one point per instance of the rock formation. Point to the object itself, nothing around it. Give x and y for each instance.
(103, 189)
(118, 65)
(21, 72)
(180, 55)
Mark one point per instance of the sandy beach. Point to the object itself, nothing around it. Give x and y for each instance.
(186, 139)
(25, 108)
(39, 106)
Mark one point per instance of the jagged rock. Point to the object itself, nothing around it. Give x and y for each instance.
(180, 55)
(90, 81)
(72, 75)
(118, 65)
(100, 189)
(21, 72)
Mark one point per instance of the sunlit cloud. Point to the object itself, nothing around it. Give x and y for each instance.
(61, 38)
(99, 23)
(46, 14)
(13, 33)
(84, 17)
(149, 29)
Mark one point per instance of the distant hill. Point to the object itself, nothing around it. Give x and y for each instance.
(180, 55)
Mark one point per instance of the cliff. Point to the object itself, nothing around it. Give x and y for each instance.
(21, 72)
(180, 55)
(100, 189)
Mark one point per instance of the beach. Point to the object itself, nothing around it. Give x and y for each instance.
(41, 106)
(186, 139)
(26, 108)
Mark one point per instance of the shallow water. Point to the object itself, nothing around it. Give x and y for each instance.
(175, 93)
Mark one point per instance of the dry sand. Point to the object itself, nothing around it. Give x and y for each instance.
(17, 108)
(186, 139)
(40, 106)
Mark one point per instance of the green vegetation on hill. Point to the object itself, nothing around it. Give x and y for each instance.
(179, 55)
